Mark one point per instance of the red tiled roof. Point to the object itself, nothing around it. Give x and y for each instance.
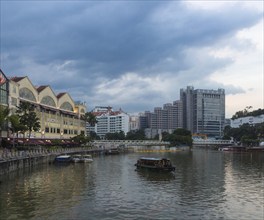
(107, 113)
(17, 79)
(40, 88)
(61, 94)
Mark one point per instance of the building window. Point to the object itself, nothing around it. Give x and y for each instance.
(47, 100)
(3, 94)
(14, 90)
(67, 106)
(27, 94)
(13, 101)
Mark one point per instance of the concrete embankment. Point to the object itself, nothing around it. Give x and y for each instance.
(14, 160)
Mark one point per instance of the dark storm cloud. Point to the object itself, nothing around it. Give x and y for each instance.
(74, 45)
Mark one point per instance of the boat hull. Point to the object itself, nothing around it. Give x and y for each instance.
(160, 169)
(63, 159)
(155, 164)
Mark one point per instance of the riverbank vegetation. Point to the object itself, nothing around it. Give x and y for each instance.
(246, 134)
(179, 137)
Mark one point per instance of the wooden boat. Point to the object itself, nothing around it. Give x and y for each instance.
(63, 158)
(159, 164)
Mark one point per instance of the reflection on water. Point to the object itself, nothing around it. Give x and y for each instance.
(154, 176)
(205, 185)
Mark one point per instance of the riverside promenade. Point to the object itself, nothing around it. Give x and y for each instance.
(11, 160)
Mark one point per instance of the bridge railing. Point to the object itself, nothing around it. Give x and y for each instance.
(212, 142)
(130, 142)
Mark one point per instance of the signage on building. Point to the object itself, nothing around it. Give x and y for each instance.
(2, 79)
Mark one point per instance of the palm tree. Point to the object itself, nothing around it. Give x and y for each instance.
(90, 118)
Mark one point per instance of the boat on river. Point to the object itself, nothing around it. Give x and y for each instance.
(87, 158)
(63, 158)
(76, 158)
(158, 164)
(79, 158)
(112, 151)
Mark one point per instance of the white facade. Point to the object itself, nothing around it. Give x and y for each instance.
(134, 122)
(109, 121)
(252, 120)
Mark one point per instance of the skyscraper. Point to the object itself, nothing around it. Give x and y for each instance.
(203, 110)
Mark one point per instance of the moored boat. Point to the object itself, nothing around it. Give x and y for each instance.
(112, 151)
(79, 158)
(76, 158)
(87, 158)
(63, 158)
(159, 164)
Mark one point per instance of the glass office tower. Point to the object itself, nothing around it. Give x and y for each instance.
(204, 110)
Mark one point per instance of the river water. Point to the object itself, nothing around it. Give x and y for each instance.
(205, 185)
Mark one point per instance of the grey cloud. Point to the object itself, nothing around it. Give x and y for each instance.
(104, 40)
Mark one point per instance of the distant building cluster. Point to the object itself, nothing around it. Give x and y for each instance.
(201, 111)
(60, 116)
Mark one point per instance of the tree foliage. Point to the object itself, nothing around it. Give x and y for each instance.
(136, 135)
(245, 113)
(81, 139)
(4, 111)
(28, 117)
(115, 136)
(15, 124)
(90, 118)
(246, 134)
(179, 137)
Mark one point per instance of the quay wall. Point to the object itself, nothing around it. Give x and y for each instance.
(14, 160)
(21, 163)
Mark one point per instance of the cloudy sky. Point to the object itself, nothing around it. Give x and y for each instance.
(136, 55)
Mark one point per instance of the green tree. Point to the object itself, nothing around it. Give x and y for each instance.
(81, 139)
(28, 117)
(24, 108)
(16, 126)
(179, 137)
(4, 112)
(136, 135)
(115, 136)
(182, 132)
(94, 136)
(90, 118)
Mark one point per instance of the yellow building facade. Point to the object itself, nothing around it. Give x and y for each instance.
(59, 115)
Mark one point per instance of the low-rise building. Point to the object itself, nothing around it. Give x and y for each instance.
(252, 120)
(59, 115)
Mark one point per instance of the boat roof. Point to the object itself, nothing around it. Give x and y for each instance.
(152, 158)
(63, 156)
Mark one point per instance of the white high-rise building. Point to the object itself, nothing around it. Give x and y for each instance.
(109, 121)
